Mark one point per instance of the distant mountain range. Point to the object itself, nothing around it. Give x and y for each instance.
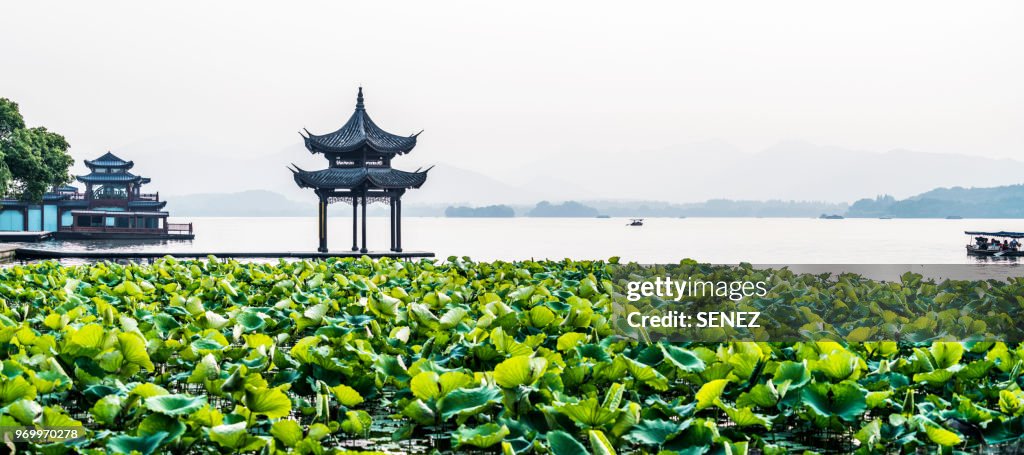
(788, 171)
(703, 179)
(691, 173)
(189, 166)
(243, 203)
(995, 202)
(270, 203)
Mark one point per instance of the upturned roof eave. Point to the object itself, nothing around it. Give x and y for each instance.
(316, 147)
(99, 163)
(109, 159)
(357, 133)
(308, 179)
(99, 178)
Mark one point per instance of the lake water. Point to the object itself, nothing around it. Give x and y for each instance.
(660, 240)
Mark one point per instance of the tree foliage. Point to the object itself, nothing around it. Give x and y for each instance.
(32, 160)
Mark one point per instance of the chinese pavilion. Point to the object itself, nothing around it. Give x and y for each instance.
(112, 207)
(117, 207)
(359, 173)
(109, 179)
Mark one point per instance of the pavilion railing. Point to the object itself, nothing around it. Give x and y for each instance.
(172, 228)
(107, 200)
(112, 229)
(179, 228)
(111, 197)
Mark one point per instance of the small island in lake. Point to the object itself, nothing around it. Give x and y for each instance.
(490, 211)
(950, 203)
(568, 209)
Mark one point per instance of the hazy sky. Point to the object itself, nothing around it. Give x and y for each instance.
(505, 85)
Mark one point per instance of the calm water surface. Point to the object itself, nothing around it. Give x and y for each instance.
(660, 240)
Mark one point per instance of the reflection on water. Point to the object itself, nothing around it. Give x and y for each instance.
(660, 240)
(116, 245)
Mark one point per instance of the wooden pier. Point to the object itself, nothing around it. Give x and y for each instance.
(8, 253)
(28, 254)
(25, 236)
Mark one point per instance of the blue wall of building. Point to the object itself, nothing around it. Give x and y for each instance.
(12, 220)
(50, 218)
(43, 218)
(35, 219)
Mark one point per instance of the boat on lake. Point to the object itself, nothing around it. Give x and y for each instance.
(636, 222)
(995, 244)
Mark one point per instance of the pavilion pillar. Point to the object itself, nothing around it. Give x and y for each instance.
(363, 249)
(355, 223)
(398, 224)
(391, 225)
(322, 224)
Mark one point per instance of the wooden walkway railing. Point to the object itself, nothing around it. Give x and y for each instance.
(179, 228)
(172, 228)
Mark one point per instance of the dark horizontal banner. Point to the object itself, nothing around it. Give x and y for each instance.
(693, 302)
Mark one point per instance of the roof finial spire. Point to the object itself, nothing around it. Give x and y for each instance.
(359, 99)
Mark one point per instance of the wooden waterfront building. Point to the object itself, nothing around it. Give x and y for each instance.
(113, 206)
(117, 208)
(359, 173)
(109, 182)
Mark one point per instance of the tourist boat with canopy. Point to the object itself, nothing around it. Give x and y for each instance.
(995, 243)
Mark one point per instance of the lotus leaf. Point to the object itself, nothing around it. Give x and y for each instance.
(482, 436)
(175, 405)
(519, 371)
(287, 431)
(144, 445)
(272, 402)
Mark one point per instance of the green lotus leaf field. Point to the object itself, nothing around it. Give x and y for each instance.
(353, 355)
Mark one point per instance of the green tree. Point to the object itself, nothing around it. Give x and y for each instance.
(32, 160)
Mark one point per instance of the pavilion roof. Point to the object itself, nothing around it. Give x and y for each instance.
(142, 204)
(359, 132)
(374, 177)
(109, 160)
(118, 213)
(111, 177)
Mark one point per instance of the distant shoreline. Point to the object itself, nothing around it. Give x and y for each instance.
(1003, 202)
(384, 216)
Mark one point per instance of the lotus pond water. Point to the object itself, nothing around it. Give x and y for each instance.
(336, 356)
